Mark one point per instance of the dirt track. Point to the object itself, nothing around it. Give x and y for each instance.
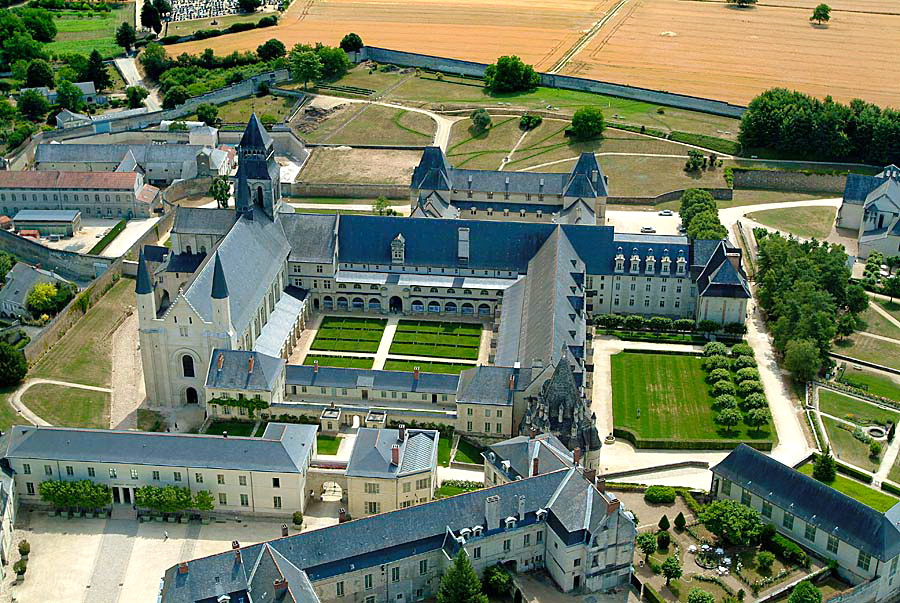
(705, 48)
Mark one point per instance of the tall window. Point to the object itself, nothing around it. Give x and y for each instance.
(339, 587)
(767, 509)
(367, 582)
(395, 574)
(187, 365)
(810, 533)
(832, 544)
(788, 521)
(423, 567)
(746, 498)
(863, 561)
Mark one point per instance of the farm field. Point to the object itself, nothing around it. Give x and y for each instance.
(660, 396)
(84, 31)
(880, 501)
(339, 361)
(346, 334)
(68, 406)
(804, 222)
(437, 339)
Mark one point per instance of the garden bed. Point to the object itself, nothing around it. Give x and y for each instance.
(349, 334)
(437, 339)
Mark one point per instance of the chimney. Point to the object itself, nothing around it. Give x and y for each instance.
(463, 244)
(491, 512)
(183, 568)
(279, 584)
(512, 382)
(522, 508)
(284, 530)
(220, 361)
(601, 484)
(235, 545)
(535, 467)
(735, 259)
(576, 456)
(612, 506)
(531, 433)
(590, 475)
(342, 515)
(416, 373)
(401, 432)
(395, 455)
(250, 365)
(225, 434)
(315, 367)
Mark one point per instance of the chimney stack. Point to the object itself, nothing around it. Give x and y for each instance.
(250, 365)
(531, 433)
(416, 373)
(491, 512)
(235, 545)
(224, 434)
(590, 475)
(612, 506)
(279, 584)
(402, 431)
(535, 467)
(183, 568)
(601, 484)
(395, 455)
(220, 361)
(315, 367)
(512, 382)
(522, 508)
(342, 515)
(284, 530)
(576, 456)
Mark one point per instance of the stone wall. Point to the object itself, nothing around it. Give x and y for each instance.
(783, 180)
(68, 264)
(351, 191)
(722, 194)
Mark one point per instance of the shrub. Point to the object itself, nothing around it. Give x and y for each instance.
(684, 324)
(267, 21)
(496, 581)
(680, 521)
(874, 449)
(510, 74)
(530, 122)
(765, 560)
(722, 388)
(747, 373)
(787, 550)
(744, 362)
(634, 322)
(24, 548)
(659, 495)
(20, 567)
(732, 522)
(715, 348)
(663, 539)
(663, 524)
(481, 120)
(749, 387)
(298, 518)
(588, 123)
(719, 374)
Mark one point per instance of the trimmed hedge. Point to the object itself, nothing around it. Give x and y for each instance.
(890, 488)
(787, 550)
(108, 238)
(659, 494)
(854, 473)
(670, 444)
(651, 595)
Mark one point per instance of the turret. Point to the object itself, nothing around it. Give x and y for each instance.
(221, 304)
(146, 302)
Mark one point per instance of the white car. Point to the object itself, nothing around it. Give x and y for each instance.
(666, 212)
(647, 230)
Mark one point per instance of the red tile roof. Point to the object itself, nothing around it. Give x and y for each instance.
(68, 180)
(147, 194)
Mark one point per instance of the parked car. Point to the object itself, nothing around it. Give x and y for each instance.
(648, 230)
(666, 212)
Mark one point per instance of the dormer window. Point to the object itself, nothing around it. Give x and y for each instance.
(666, 262)
(541, 514)
(620, 261)
(635, 261)
(476, 531)
(650, 265)
(681, 264)
(510, 523)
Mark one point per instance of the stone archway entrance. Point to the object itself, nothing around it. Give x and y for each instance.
(396, 305)
(191, 395)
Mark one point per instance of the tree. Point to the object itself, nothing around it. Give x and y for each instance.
(728, 418)
(271, 49)
(460, 583)
(381, 205)
(647, 543)
(351, 43)
(306, 66)
(821, 14)
(481, 120)
(510, 74)
(663, 523)
(732, 522)
(802, 358)
(680, 521)
(742, 3)
(68, 96)
(21, 46)
(32, 105)
(176, 95)
(497, 581)
(42, 298)
(39, 23)
(203, 501)
(757, 417)
(220, 190)
(874, 449)
(97, 71)
(892, 286)
(150, 17)
(136, 96)
(892, 262)
(335, 62)
(847, 323)
(824, 467)
(154, 60)
(126, 36)
(698, 595)
(805, 592)
(588, 123)
(39, 73)
(249, 6)
(765, 560)
(671, 569)
(208, 114)
(694, 161)
(663, 539)
(13, 365)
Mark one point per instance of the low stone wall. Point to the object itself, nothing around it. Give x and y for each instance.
(68, 264)
(184, 188)
(350, 191)
(722, 194)
(785, 180)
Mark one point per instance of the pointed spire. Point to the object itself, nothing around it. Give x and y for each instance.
(143, 276)
(255, 135)
(219, 286)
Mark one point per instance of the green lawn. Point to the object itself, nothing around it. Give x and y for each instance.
(878, 500)
(84, 31)
(339, 361)
(239, 111)
(327, 444)
(468, 453)
(869, 349)
(853, 409)
(68, 406)
(349, 334)
(83, 355)
(660, 396)
(8, 415)
(448, 368)
(449, 490)
(374, 124)
(891, 307)
(878, 324)
(437, 339)
(877, 384)
(894, 474)
(847, 448)
(445, 445)
(234, 428)
(805, 222)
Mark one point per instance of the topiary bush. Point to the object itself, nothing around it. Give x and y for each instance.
(297, 518)
(659, 495)
(24, 548)
(722, 388)
(20, 567)
(741, 349)
(715, 348)
(663, 538)
(719, 374)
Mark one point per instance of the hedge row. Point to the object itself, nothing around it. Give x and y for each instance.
(108, 238)
(204, 34)
(669, 444)
(854, 473)
(787, 550)
(890, 488)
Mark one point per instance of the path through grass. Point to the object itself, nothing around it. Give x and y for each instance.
(805, 222)
(68, 406)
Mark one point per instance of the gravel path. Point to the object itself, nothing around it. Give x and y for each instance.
(128, 391)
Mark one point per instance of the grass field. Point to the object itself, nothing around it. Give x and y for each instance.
(878, 500)
(878, 324)
(186, 28)
(804, 222)
(877, 384)
(84, 31)
(468, 453)
(853, 409)
(346, 334)
(374, 124)
(437, 339)
(894, 474)
(8, 414)
(448, 368)
(740, 198)
(234, 428)
(327, 444)
(659, 396)
(847, 448)
(239, 111)
(891, 307)
(68, 406)
(83, 355)
(870, 349)
(445, 446)
(369, 166)
(339, 361)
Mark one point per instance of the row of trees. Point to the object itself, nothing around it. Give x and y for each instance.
(636, 322)
(804, 289)
(700, 216)
(802, 127)
(83, 494)
(313, 63)
(171, 499)
(23, 34)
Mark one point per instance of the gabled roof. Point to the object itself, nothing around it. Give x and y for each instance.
(587, 180)
(311, 236)
(198, 220)
(886, 197)
(371, 456)
(237, 372)
(490, 385)
(21, 278)
(402, 381)
(878, 534)
(520, 452)
(858, 186)
(719, 278)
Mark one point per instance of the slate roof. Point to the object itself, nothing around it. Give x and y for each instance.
(197, 220)
(46, 215)
(280, 325)
(490, 385)
(311, 236)
(21, 278)
(155, 253)
(587, 180)
(401, 381)
(143, 283)
(255, 135)
(286, 454)
(521, 451)
(371, 456)
(142, 154)
(878, 534)
(858, 186)
(719, 278)
(235, 370)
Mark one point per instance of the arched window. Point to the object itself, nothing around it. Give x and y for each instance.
(188, 249)
(418, 306)
(468, 309)
(484, 309)
(358, 303)
(434, 307)
(259, 195)
(328, 303)
(375, 304)
(187, 365)
(450, 308)
(342, 303)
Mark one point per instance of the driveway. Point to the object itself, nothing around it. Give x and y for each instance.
(128, 68)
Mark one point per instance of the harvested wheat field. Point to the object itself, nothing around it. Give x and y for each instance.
(715, 50)
(539, 31)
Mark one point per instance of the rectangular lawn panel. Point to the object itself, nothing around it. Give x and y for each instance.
(853, 409)
(468, 453)
(234, 428)
(664, 397)
(448, 368)
(437, 339)
(349, 334)
(846, 447)
(880, 501)
(877, 385)
(339, 361)
(68, 406)
(327, 444)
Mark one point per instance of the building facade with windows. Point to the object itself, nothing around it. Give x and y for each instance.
(265, 476)
(556, 521)
(864, 542)
(871, 206)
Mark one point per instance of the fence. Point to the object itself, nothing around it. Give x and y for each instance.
(880, 367)
(470, 68)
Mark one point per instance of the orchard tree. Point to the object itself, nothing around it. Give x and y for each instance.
(758, 417)
(728, 418)
(351, 43)
(821, 14)
(588, 123)
(126, 36)
(510, 74)
(460, 583)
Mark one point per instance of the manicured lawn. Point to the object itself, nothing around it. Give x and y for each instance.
(892, 307)
(239, 111)
(374, 124)
(878, 324)
(327, 444)
(660, 396)
(448, 368)
(340, 361)
(847, 448)
(877, 385)
(150, 420)
(482, 150)
(878, 500)
(468, 453)
(83, 355)
(450, 490)
(84, 31)
(894, 474)
(869, 349)
(185, 28)
(437, 339)
(444, 447)
(853, 409)
(349, 334)
(804, 222)
(68, 406)
(234, 428)
(261, 429)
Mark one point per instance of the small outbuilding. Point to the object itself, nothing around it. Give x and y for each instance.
(48, 222)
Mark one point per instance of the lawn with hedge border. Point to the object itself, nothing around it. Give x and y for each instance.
(437, 339)
(339, 361)
(349, 334)
(447, 368)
